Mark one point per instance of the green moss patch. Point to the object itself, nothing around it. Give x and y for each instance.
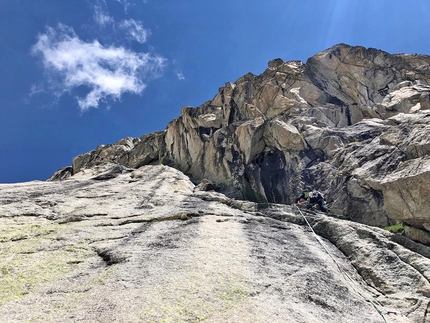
(396, 228)
(29, 258)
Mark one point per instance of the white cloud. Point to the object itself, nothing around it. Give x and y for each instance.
(180, 76)
(108, 72)
(126, 3)
(129, 3)
(135, 30)
(101, 17)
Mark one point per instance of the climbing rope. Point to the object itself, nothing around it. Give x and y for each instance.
(344, 273)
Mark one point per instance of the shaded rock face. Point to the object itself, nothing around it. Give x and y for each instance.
(351, 122)
(117, 244)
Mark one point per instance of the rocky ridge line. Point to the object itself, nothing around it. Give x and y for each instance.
(352, 122)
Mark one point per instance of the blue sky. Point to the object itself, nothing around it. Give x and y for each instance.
(76, 74)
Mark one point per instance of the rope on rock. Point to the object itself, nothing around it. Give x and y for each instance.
(351, 281)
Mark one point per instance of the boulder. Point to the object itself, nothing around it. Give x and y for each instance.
(283, 136)
(61, 174)
(406, 192)
(409, 99)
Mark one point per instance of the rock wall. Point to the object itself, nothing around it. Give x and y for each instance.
(115, 244)
(351, 122)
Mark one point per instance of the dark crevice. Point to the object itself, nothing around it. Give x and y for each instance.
(110, 257)
(426, 313)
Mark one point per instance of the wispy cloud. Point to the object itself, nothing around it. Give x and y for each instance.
(101, 16)
(180, 76)
(128, 3)
(108, 72)
(135, 29)
(131, 27)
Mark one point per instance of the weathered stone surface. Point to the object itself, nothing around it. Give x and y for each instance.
(61, 174)
(407, 191)
(283, 136)
(408, 99)
(104, 154)
(113, 244)
(417, 234)
(205, 185)
(344, 122)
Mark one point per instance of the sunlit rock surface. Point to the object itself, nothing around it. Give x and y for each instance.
(351, 122)
(115, 244)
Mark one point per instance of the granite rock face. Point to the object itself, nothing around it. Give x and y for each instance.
(118, 244)
(351, 122)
